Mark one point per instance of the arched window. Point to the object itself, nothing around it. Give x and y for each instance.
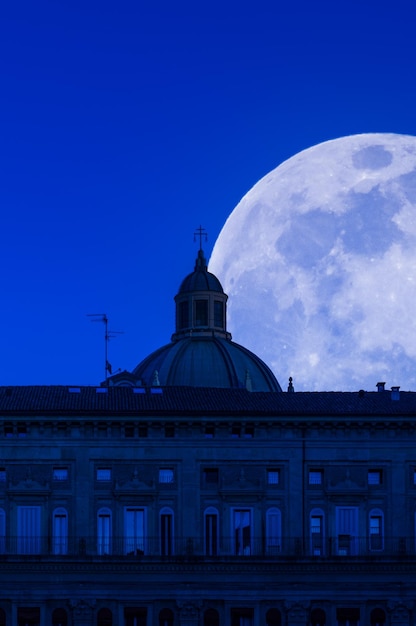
(59, 617)
(166, 531)
(165, 617)
(211, 528)
(376, 530)
(2, 532)
(273, 531)
(211, 618)
(318, 617)
(60, 531)
(316, 532)
(2, 618)
(104, 531)
(377, 617)
(104, 617)
(273, 617)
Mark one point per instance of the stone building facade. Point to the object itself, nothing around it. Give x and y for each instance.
(172, 496)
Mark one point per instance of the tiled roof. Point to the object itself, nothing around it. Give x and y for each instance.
(195, 401)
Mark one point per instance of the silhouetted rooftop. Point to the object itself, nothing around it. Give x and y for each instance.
(200, 402)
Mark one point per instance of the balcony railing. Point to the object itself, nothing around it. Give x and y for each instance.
(343, 546)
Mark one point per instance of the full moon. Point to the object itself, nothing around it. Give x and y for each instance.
(319, 261)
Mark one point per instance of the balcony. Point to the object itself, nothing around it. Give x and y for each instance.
(153, 548)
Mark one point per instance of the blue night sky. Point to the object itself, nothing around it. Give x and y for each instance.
(124, 126)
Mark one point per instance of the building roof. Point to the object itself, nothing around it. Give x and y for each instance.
(201, 402)
(201, 352)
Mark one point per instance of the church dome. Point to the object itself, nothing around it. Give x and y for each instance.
(201, 352)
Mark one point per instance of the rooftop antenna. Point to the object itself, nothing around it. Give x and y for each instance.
(200, 232)
(108, 334)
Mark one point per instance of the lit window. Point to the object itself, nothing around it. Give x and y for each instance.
(317, 532)
(104, 531)
(273, 476)
(315, 477)
(166, 475)
(60, 473)
(60, 531)
(374, 477)
(104, 473)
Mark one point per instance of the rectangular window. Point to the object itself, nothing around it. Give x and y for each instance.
(2, 474)
(249, 432)
(166, 475)
(135, 616)
(346, 521)
(142, 431)
(104, 532)
(211, 534)
(166, 534)
(375, 477)
(242, 617)
(134, 530)
(60, 473)
(129, 431)
(348, 617)
(218, 313)
(316, 535)
(209, 432)
(28, 530)
(104, 473)
(376, 532)
(316, 477)
(273, 476)
(201, 312)
(60, 531)
(236, 432)
(28, 616)
(242, 531)
(211, 476)
(169, 431)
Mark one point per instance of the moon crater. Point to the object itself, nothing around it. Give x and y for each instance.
(319, 261)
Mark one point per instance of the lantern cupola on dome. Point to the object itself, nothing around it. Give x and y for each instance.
(201, 352)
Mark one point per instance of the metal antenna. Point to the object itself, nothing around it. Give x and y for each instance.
(108, 334)
(200, 232)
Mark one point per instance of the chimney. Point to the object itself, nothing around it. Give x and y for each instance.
(395, 393)
(380, 386)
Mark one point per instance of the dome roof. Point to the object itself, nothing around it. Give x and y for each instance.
(206, 362)
(200, 279)
(201, 353)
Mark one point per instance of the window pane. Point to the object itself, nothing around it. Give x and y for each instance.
(315, 477)
(218, 313)
(273, 477)
(104, 473)
(60, 532)
(201, 312)
(166, 475)
(134, 531)
(374, 477)
(28, 530)
(60, 473)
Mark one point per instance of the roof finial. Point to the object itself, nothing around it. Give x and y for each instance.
(200, 232)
